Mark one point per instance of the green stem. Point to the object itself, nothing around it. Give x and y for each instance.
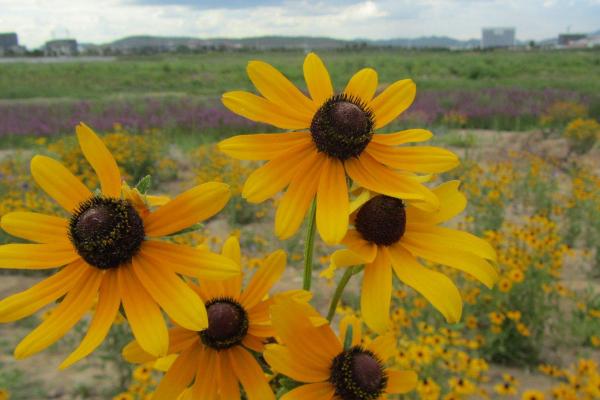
(309, 246)
(340, 290)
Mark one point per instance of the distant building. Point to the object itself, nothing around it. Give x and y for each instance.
(61, 47)
(497, 37)
(9, 44)
(565, 39)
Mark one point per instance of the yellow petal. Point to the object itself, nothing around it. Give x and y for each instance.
(231, 250)
(187, 209)
(452, 203)
(262, 146)
(371, 174)
(448, 255)
(424, 159)
(175, 297)
(180, 375)
(36, 227)
(295, 202)
(275, 87)
(101, 160)
(104, 316)
(37, 256)
(254, 343)
(436, 287)
(190, 261)
(23, 304)
(229, 387)
(281, 360)
(264, 279)
(59, 182)
(384, 346)
(276, 174)
(317, 79)
(400, 382)
(355, 242)
(144, 316)
(458, 240)
(250, 374)
(64, 317)
(402, 137)
(257, 109)
(332, 202)
(362, 85)
(312, 391)
(376, 293)
(346, 258)
(356, 324)
(180, 340)
(393, 101)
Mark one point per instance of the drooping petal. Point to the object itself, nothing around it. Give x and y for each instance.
(384, 346)
(60, 184)
(298, 197)
(253, 343)
(206, 385)
(23, 304)
(452, 203)
(393, 101)
(104, 316)
(355, 242)
(275, 87)
(402, 137)
(332, 202)
(37, 256)
(190, 207)
(362, 85)
(77, 301)
(175, 297)
(264, 279)
(100, 159)
(144, 316)
(190, 261)
(180, 339)
(376, 292)
(436, 287)
(276, 174)
(250, 374)
(229, 387)
(258, 109)
(448, 255)
(371, 174)
(180, 375)
(312, 391)
(317, 79)
(36, 227)
(423, 159)
(262, 146)
(458, 240)
(400, 382)
(346, 258)
(281, 360)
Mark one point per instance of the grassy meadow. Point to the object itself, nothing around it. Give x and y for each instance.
(525, 125)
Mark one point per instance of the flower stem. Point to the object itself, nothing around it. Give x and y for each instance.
(340, 289)
(309, 246)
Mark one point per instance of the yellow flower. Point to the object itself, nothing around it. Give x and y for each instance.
(514, 315)
(216, 358)
(504, 285)
(123, 396)
(505, 389)
(496, 318)
(4, 394)
(516, 275)
(313, 355)
(532, 395)
(109, 252)
(390, 235)
(333, 139)
(142, 373)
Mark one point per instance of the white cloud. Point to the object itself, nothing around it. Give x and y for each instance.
(106, 20)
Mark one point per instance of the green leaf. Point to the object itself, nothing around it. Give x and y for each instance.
(193, 228)
(348, 337)
(144, 184)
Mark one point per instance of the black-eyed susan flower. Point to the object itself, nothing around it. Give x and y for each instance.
(214, 361)
(333, 138)
(312, 354)
(532, 395)
(109, 251)
(390, 234)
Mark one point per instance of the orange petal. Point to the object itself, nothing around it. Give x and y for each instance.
(250, 374)
(180, 375)
(332, 202)
(264, 279)
(37, 256)
(376, 292)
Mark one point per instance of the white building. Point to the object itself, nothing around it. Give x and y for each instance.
(497, 37)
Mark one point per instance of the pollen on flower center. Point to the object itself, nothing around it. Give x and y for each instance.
(358, 374)
(227, 324)
(381, 220)
(106, 232)
(342, 127)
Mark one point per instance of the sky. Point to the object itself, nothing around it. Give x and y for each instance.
(102, 21)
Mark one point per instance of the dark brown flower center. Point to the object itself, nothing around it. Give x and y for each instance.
(227, 324)
(381, 220)
(358, 374)
(342, 127)
(106, 232)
